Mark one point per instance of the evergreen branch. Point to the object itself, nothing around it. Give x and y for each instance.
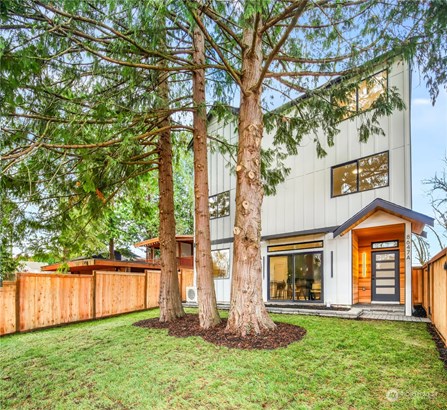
(214, 16)
(287, 13)
(106, 27)
(298, 12)
(216, 48)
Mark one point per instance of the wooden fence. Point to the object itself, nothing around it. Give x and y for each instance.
(38, 300)
(433, 291)
(416, 285)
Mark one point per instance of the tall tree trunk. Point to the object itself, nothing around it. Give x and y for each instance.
(247, 310)
(206, 295)
(170, 300)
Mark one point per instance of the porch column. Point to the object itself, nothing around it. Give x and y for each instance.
(408, 271)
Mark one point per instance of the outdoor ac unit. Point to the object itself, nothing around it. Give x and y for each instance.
(191, 294)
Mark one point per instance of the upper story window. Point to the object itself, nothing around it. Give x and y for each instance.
(361, 175)
(368, 91)
(219, 205)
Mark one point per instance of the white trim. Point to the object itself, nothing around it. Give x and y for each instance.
(408, 270)
(350, 270)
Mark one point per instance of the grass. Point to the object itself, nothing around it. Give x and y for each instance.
(109, 364)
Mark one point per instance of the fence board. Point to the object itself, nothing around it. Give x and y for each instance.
(439, 308)
(416, 285)
(434, 292)
(51, 299)
(153, 288)
(119, 292)
(8, 308)
(187, 279)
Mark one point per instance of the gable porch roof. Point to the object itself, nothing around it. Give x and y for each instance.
(418, 220)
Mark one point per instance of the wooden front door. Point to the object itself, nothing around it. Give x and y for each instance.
(385, 276)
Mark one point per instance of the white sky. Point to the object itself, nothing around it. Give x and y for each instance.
(429, 145)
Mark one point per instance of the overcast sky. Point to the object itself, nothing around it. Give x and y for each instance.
(429, 145)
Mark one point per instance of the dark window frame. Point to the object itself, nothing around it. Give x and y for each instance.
(215, 197)
(356, 161)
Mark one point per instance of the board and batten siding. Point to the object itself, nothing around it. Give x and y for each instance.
(304, 200)
(220, 177)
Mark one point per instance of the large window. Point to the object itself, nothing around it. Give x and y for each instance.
(361, 175)
(221, 263)
(296, 277)
(219, 205)
(368, 91)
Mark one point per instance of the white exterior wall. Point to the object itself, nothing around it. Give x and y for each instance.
(304, 202)
(338, 288)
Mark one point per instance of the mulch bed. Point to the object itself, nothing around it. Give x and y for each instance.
(282, 336)
(442, 349)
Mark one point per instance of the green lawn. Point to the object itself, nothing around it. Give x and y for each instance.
(109, 364)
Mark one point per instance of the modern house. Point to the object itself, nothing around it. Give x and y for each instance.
(338, 231)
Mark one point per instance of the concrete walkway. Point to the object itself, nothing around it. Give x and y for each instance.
(360, 312)
(388, 312)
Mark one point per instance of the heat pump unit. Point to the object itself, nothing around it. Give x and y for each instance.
(191, 294)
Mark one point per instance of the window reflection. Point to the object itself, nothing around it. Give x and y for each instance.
(344, 179)
(221, 263)
(373, 172)
(363, 97)
(361, 175)
(370, 90)
(219, 205)
(296, 277)
(213, 206)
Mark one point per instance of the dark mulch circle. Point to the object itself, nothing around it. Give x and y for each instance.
(282, 336)
(442, 349)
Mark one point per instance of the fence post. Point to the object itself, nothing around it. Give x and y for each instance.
(145, 289)
(17, 302)
(94, 295)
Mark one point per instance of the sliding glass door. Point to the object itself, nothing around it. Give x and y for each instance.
(296, 277)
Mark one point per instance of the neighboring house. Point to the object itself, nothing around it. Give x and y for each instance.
(32, 267)
(338, 231)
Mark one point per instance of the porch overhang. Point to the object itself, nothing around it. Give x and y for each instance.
(155, 242)
(418, 220)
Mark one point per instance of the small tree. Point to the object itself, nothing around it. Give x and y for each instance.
(438, 202)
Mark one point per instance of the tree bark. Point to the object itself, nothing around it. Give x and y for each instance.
(206, 295)
(170, 300)
(247, 310)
